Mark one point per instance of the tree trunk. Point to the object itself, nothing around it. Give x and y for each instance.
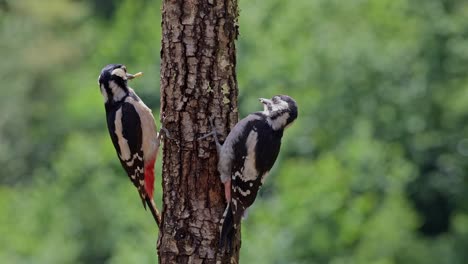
(198, 81)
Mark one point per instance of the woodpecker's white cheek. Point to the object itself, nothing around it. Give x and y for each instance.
(250, 172)
(120, 72)
(117, 92)
(104, 93)
(123, 143)
(281, 105)
(279, 122)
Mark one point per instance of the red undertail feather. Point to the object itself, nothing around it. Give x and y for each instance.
(149, 178)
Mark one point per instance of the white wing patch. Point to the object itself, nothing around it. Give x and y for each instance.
(226, 155)
(123, 143)
(250, 172)
(150, 142)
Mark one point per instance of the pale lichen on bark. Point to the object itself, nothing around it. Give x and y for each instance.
(197, 82)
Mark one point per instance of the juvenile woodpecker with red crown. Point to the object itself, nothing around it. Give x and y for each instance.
(246, 157)
(132, 130)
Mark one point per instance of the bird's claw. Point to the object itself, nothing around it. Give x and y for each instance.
(163, 129)
(213, 131)
(166, 133)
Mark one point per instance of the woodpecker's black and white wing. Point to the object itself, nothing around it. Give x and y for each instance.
(248, 154)
(258, 152)
(127, 141)
(253, 147)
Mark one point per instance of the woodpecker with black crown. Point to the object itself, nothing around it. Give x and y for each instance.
(246, 157)
(132, 130)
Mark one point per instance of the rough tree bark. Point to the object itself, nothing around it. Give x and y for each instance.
(198, 81)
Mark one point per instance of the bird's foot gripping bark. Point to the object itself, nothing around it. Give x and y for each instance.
(166, 133)
(213, 133)
(163, 129)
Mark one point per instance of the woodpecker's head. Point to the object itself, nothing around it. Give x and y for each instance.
(113, 82)
(281, 111)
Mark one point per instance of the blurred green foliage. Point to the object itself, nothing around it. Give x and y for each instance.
(373, 171)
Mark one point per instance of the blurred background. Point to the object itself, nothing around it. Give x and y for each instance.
(373, 171)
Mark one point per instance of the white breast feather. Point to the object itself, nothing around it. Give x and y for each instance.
(123, 143)
(279, 122)
(117, 92)
(104, 93)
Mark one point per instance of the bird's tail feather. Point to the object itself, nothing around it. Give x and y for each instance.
(154, 210)
(142, 197)
(227, 229)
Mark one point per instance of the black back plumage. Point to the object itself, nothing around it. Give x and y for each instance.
(266, 150)
(132, 132)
